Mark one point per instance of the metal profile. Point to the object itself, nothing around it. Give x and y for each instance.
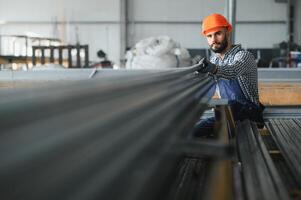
(261, 179)
(111, 138)
(286, 134)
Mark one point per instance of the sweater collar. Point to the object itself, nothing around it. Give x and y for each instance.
(233, 50)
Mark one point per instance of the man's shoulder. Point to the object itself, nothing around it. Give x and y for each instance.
(214, 59)
(242, 53)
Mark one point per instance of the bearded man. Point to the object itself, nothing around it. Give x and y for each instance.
(235, 72)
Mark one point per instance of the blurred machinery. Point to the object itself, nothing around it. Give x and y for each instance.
(104, 63)
(24, 52)
(289, 56)
(81, 55)
(16, 50)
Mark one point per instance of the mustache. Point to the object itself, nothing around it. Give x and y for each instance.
(215, 44)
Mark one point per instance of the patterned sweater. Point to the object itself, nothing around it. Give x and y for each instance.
(239, 64)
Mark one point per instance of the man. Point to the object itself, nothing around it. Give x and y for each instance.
(235, 72)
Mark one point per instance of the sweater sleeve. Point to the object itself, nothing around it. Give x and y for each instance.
(243, 64)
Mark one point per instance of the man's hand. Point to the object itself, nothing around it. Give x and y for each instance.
(207, 66)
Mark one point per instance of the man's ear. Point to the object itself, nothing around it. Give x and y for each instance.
(228, 33)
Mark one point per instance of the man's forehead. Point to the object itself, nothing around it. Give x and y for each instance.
(221, 29)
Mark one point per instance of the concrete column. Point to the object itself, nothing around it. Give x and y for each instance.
(297, 22)
(123, 30)
(231, 15)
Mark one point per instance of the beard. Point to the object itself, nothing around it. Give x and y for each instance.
(222, 46)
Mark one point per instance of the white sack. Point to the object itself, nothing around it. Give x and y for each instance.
(157, 53)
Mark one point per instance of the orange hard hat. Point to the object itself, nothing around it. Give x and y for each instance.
(215, 22)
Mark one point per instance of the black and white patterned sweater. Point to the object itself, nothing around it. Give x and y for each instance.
(239, 64)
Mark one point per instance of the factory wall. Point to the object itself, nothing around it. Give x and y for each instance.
(177, 19)
(92, 22)
(264, 20)
(260, 24)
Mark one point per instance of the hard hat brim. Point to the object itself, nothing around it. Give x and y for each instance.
(215, 29)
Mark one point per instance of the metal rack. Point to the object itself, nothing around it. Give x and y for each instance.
(60, 49)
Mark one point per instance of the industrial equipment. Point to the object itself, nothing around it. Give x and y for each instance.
(80, 51)
(16, 50)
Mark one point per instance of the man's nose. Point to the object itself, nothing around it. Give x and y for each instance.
(214, 38)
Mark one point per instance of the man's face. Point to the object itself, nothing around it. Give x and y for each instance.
(218, 40)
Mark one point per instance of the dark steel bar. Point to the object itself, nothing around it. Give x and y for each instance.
(60, 55)
(70, 65)
(297, 125)
(34, 56)
(208, 148)
(51, 54)
(287, 137)
(298, 122)
(221, 177)
(286, 133)
(78, 60)
(86, 47)
(294, 133)
(42, 55)
(261, 178)
(283, 112)
(89, 139)
(191, 178)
